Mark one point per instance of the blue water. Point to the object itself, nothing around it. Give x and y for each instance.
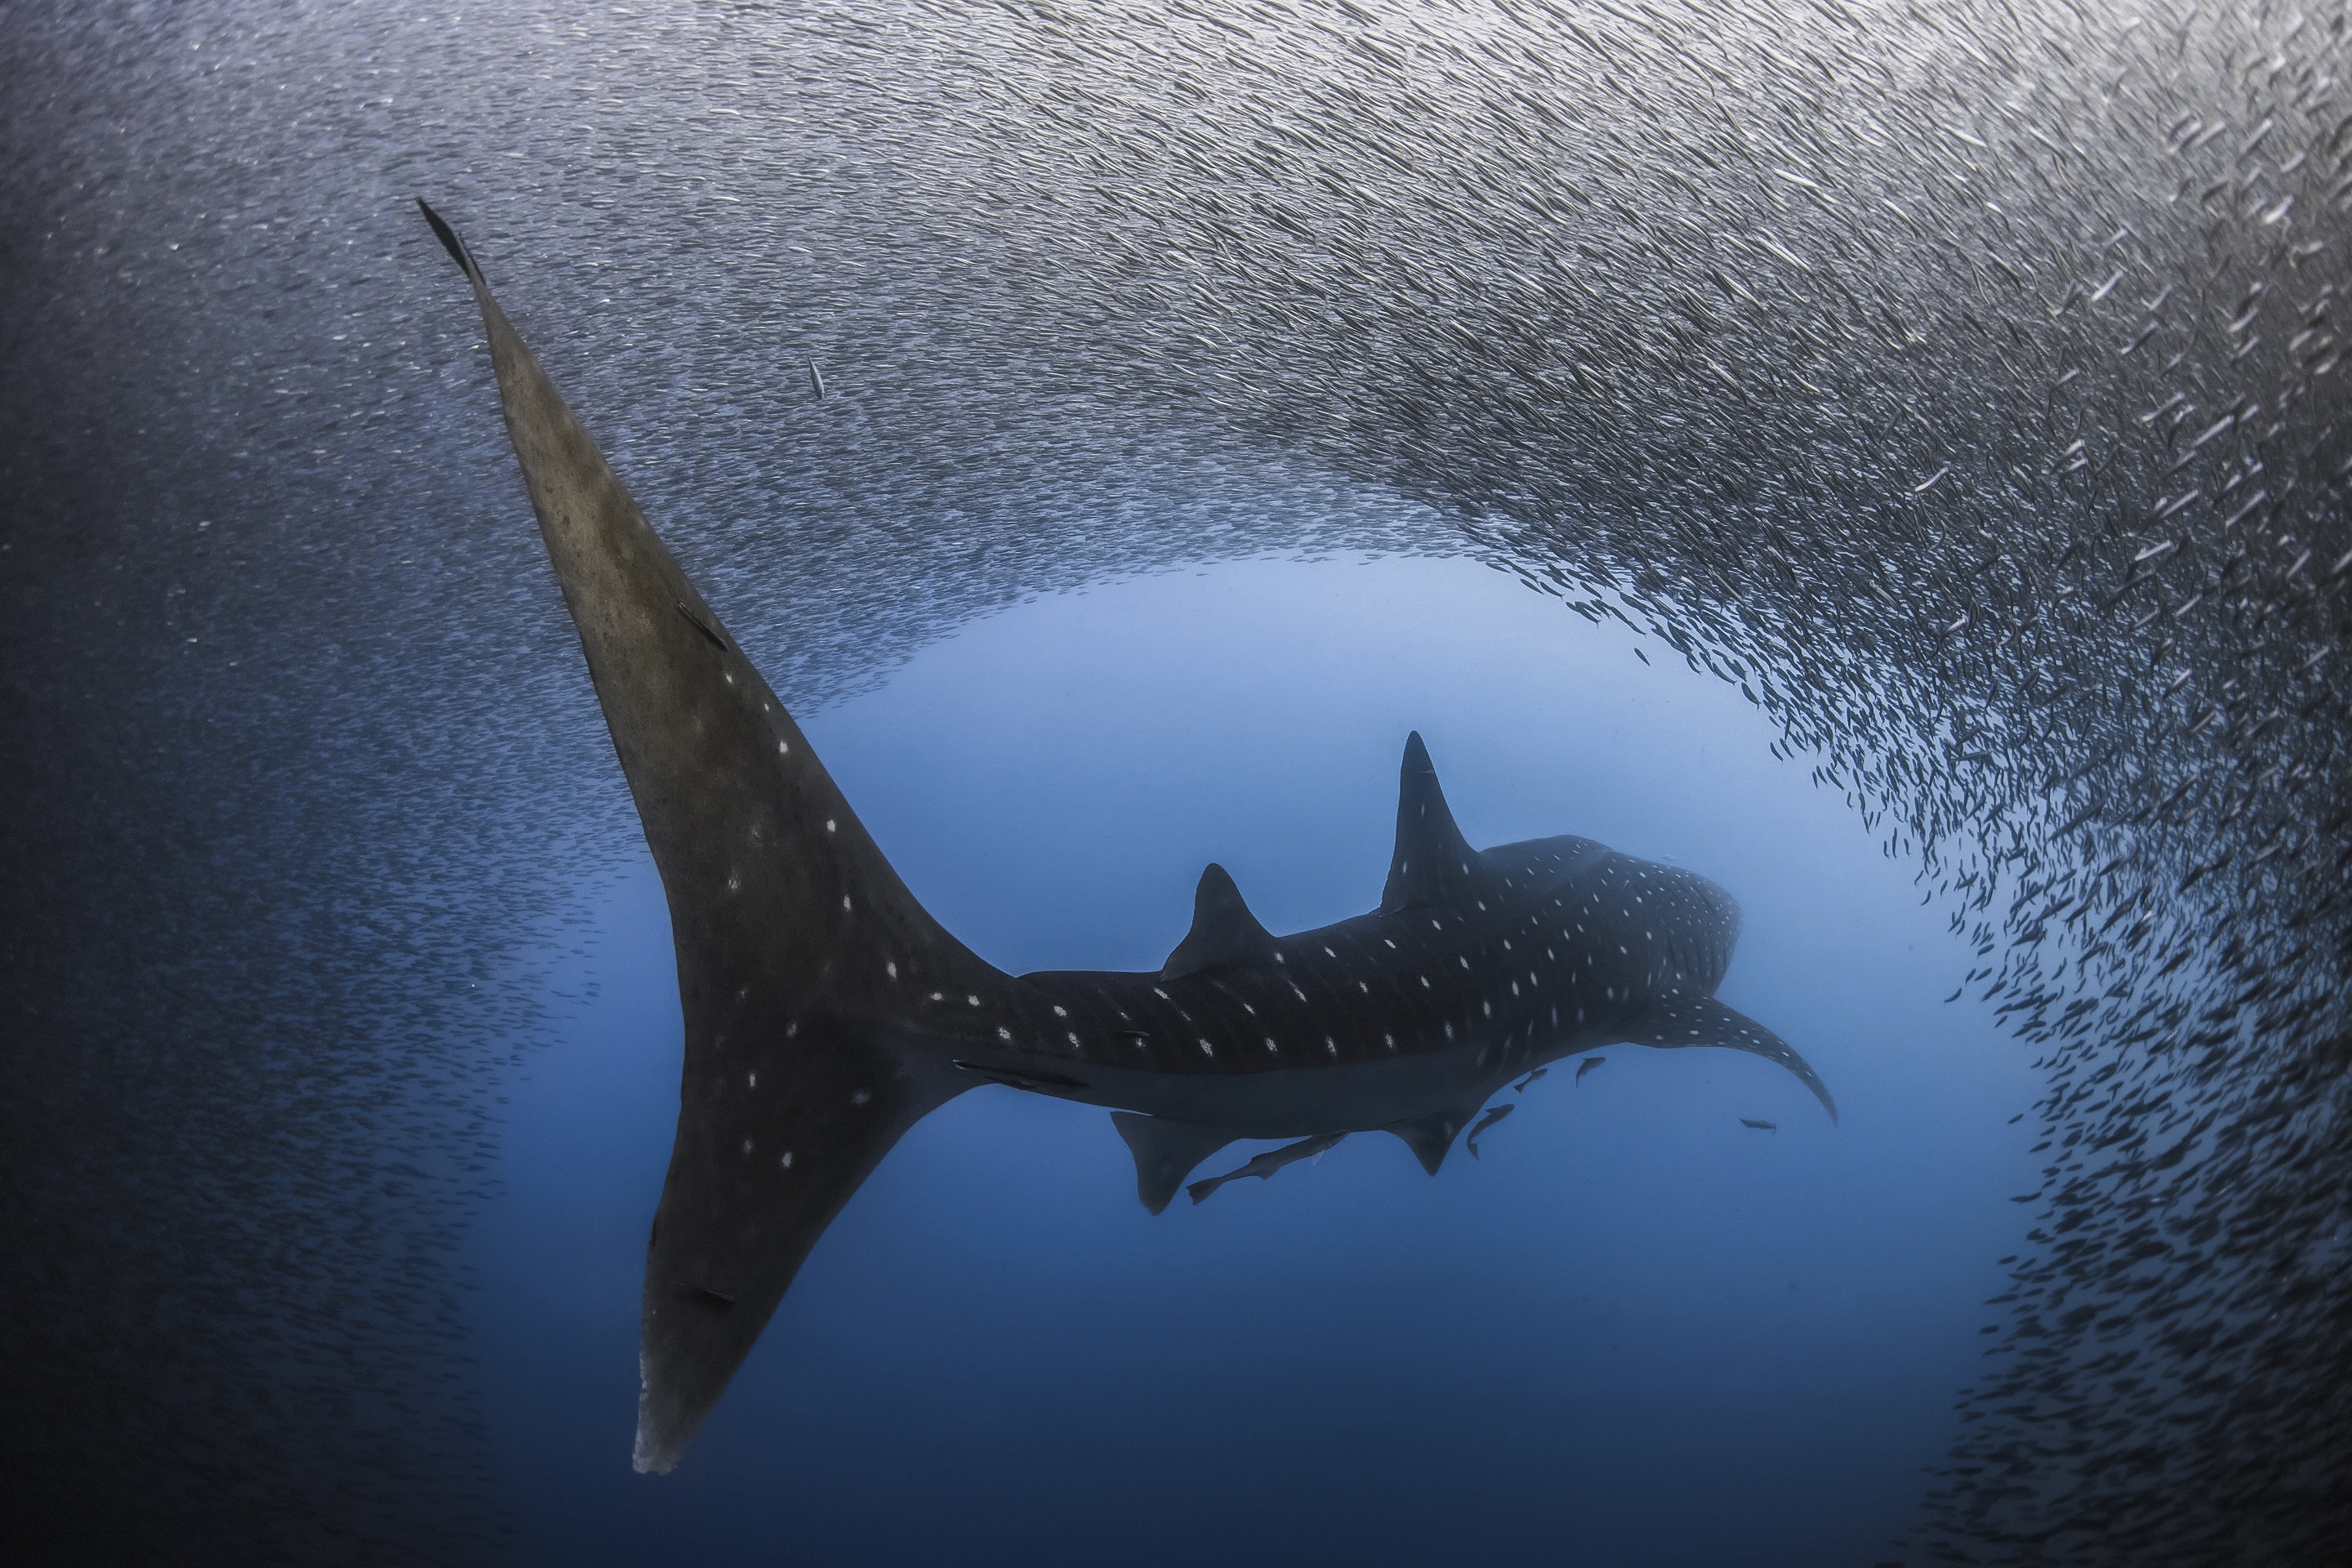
(1634, 1332)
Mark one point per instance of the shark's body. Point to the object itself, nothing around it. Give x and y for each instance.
(826, 1012)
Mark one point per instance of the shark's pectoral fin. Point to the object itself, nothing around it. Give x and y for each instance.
(1165, 1152)
(1224, 931)
(1676, 1019)
(1429, 1137)
(1432, 863)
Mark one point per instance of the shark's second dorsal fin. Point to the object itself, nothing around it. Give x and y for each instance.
(1165, 1152)
(1224, 931)
(1434, 863)
(1676, 1019)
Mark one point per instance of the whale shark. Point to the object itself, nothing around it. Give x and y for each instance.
(825, 1012)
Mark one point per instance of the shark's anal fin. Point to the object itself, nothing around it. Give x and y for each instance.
(1676, 1020)
(1429, 1137)
(1432, 863)
(1165, 1152)
(1223, 932)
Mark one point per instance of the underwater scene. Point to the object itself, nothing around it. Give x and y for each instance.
(1271, 782)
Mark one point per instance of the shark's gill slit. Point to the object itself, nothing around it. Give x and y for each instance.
(810, 1000)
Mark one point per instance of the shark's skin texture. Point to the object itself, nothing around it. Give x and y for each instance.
(826, 1012)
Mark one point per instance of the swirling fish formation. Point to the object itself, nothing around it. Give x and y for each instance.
(1965, 384)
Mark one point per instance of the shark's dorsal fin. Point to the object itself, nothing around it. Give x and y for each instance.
(1224, 931)
(1676, 1020)
(1165, 1152)
(1434, 863)
(1429, 1137)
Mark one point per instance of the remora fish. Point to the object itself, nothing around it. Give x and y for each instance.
(1265, 1165)
(826, 1012)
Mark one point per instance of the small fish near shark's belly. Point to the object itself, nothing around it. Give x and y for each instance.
(1290, 1103)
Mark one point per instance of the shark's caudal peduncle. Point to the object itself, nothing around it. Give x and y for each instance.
(826, 1012)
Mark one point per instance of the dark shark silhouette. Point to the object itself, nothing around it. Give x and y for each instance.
(826, 1012)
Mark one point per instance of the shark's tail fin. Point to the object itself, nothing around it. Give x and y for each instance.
(774, 1135)
(797, 944)
(758, 849)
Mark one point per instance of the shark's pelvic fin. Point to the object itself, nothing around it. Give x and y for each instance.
(1165, 1152)
(1677, 1019)
(1434, 863)
(1429, 1137)
(1224, 931)
(797, 944)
